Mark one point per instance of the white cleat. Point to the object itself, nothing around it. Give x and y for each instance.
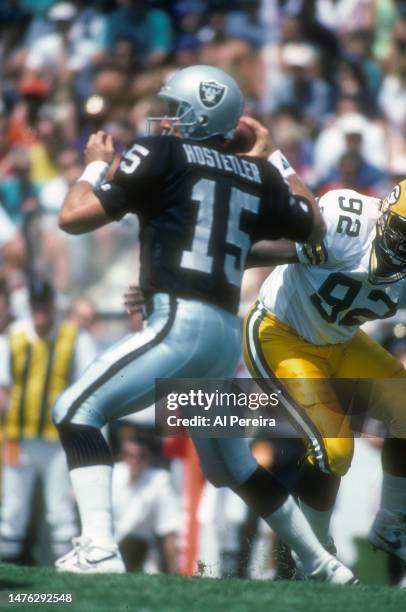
(333, 571)
(388, 533)
(89, 558)
(300, 573)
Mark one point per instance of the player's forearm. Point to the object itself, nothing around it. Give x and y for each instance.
(271, 253)
(81, 210)
(298, 187)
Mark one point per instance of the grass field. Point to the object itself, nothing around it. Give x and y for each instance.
(161, 593)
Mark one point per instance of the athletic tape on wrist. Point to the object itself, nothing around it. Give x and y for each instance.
(280, 162)
(95, 173)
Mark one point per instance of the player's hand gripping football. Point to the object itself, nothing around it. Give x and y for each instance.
(264, 144)
(99, 148)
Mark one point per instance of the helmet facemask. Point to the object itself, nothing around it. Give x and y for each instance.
(388, 255)
(180, 115)
(391, 241)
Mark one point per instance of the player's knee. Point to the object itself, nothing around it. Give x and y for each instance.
(60, 409)
(216, 474)
(339, 452)
(67, 410)
(223, 475)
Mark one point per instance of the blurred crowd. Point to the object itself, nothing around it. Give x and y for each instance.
(328, 77)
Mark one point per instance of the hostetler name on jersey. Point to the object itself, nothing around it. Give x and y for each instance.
(230, 163)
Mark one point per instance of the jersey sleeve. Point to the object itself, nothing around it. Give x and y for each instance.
(137, 179)
(285, 215)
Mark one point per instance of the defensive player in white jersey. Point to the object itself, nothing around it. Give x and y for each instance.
(305, 325)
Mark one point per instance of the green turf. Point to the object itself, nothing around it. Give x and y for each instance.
(161, 593)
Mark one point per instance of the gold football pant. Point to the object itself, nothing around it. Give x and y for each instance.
(273, 350)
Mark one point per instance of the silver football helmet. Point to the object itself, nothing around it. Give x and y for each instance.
(202, 102)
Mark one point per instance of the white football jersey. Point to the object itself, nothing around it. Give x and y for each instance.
(327, 296)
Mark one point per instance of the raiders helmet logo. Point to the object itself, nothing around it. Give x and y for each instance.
(211, 93)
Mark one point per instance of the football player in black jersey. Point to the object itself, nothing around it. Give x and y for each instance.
(200, 209)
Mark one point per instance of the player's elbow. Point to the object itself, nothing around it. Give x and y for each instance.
(69, 223)
(66, 222)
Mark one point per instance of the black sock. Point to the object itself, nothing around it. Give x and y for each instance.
(394, 456)
(262, 492)
(84, 446)
(317, 489)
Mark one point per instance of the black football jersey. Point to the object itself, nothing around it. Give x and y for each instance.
(200, 209)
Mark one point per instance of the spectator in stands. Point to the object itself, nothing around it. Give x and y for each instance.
(345, 15)
(353, 172)
(12, 251)
(145, 508)
(392, 97)
(385, 14)
(358, 48)
(33, 91)
(43, 356)
(36, 6)
(68, 40)
(397, 168)
(246, 24)
(45, 152)
(84, 314)
(294, 139)
(300, 85)
(60, 256)
(351, 81)
(189, 15)
(5, 321)
(50, 51)
(86, 36)
(18, 194)
(5, 311)
(398, 34)
(69, 165)
(344, 132)
(218, 49)
(148, 29)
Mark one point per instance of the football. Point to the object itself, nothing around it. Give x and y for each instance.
(243, 140)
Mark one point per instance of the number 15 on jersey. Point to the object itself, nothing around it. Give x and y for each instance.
(198, 258)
